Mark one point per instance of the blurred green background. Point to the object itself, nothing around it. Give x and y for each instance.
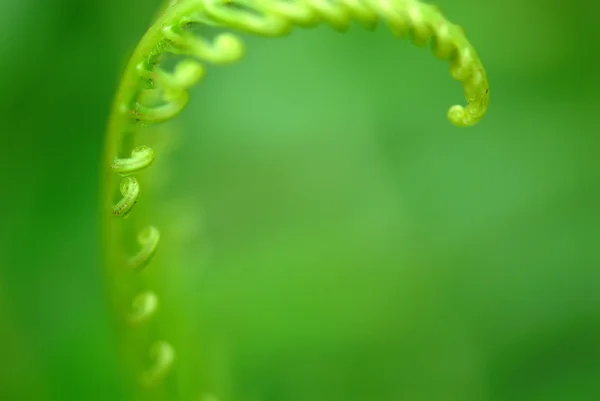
(354, 244)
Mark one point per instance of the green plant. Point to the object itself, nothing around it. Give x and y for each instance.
(152, 93)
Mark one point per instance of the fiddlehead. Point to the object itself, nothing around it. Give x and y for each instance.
(148, 239)
(225, 49)
(143, 307)
(163, 355)
(141, 157)
(130, 189)
(151, 93)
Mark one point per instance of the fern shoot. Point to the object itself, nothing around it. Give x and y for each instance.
(150, 92)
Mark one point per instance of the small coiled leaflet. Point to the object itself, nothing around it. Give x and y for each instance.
(148, 240)
(141, 157)
(163, 355)
(151, 94)
(143, 307)
(130, 189)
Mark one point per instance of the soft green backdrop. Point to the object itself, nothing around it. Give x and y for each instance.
(355, 245)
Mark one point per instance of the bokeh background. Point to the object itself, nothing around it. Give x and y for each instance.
(354, 244)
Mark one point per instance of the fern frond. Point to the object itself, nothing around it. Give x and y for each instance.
(151, 93)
